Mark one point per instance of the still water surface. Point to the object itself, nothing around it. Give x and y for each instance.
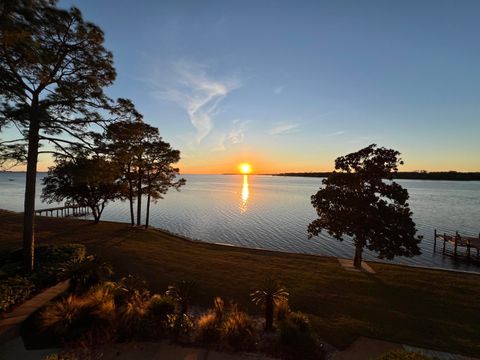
(270, 212)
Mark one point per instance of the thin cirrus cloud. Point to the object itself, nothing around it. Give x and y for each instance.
(284, 128)
(234, 136)
(278, 89)
(200, 95)
(337, 133)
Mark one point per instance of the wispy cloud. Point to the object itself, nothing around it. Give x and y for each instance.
(278, 89)
(199, 94)
(284, 128)
(234, 136)
(337, 133)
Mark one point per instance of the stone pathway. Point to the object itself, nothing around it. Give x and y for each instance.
(347, 264)
(368, 349)
(10, 322)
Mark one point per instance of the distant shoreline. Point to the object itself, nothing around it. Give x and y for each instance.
(407, 175)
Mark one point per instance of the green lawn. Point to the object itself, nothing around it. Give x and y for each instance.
(428, 308)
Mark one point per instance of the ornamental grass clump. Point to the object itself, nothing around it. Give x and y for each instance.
(238, 329)
(66, 318)
(132, 300)
(209, 325)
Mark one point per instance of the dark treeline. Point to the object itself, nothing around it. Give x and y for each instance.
(413, 175)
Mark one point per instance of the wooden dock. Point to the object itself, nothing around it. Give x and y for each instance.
(458, 243)
(64, 211)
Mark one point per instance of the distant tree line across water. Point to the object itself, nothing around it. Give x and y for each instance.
(412, 175)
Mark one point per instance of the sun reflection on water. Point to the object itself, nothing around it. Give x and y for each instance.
(245, 194)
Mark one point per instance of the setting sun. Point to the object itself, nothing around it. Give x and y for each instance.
(245, 168)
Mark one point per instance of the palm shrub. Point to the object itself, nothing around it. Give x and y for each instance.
(268, 296)
(182, 293)
(86, 273)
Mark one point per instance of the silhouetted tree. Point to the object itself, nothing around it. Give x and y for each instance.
(146, 160)
(159, 174)
(355, 201)
(119, 143)
(126, 142)
(53, 66)
(269, 295)
(84, 182)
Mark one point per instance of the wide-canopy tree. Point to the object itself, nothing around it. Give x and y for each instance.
(53, 68)
(90, 182)
(359, 199)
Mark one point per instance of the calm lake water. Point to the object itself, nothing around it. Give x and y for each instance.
(271, 212)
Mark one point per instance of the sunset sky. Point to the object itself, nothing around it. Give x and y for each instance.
(291, 85)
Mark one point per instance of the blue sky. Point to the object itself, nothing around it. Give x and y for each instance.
(291, 85)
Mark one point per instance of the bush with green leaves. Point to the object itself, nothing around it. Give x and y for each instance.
(160, 306)
(14, 290)
(296, 335)
(403, 355)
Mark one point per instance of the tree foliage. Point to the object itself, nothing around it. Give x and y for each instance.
(53, 68)
(145, 159)
(84, 182)
(356, 201)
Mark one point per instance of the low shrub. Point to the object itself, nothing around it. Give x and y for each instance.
(403, 355)
(160, 306)
(296, 335)
(180, 325)
(238, 329)
(61, 356)
(14, 290)
(49, 262)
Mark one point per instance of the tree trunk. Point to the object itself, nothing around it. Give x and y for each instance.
(357, 260)
(130, 195)
(139, 198)
(147, 216)
(29, 201)
(269, 313)
(96, 214)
